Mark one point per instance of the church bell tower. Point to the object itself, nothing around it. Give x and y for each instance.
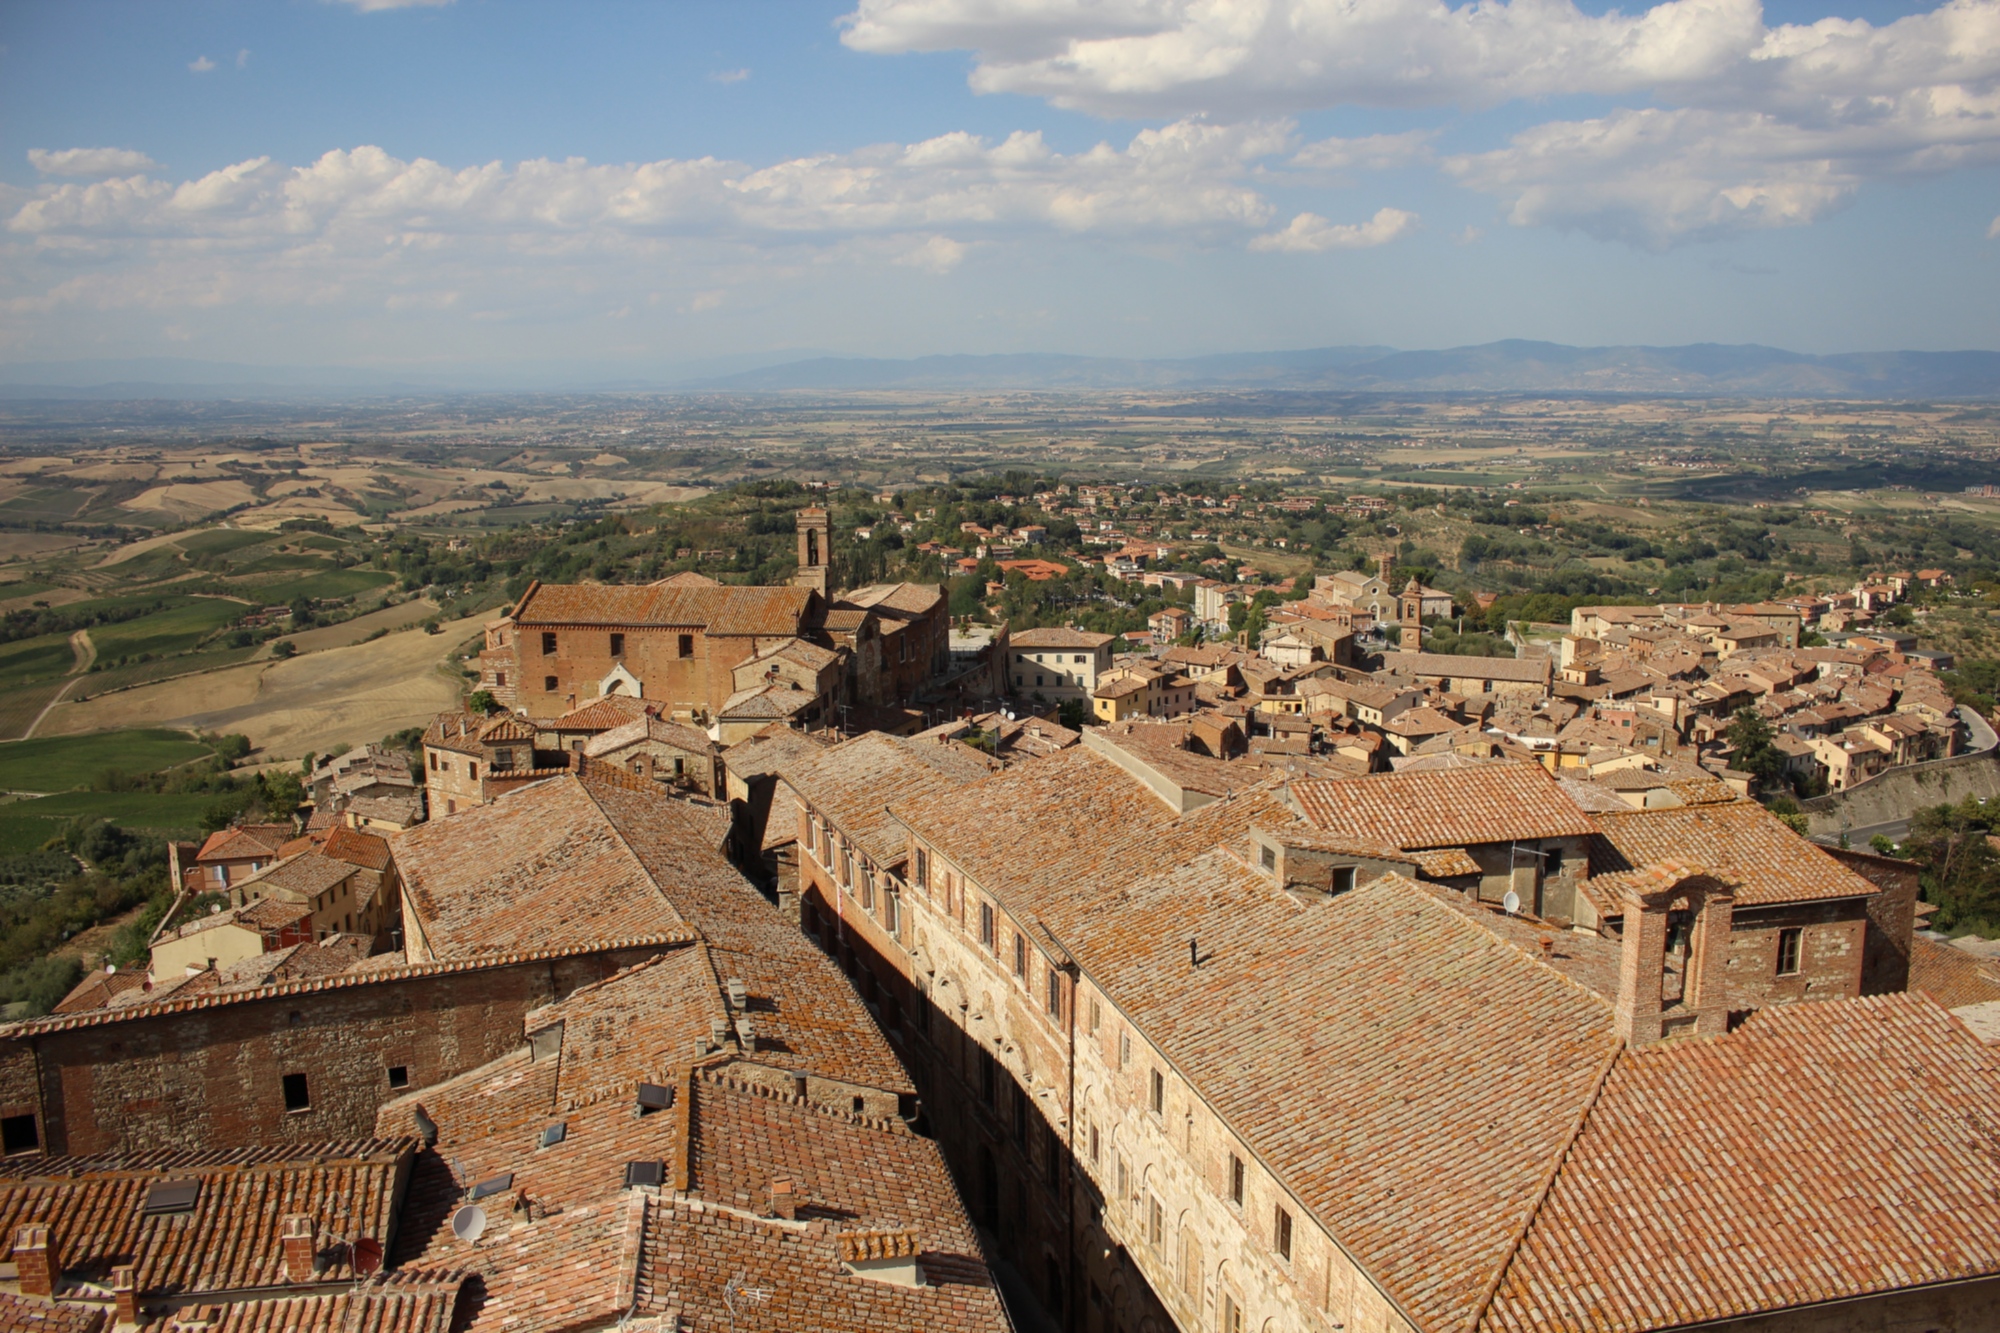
(815, 550)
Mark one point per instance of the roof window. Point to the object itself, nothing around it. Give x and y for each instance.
(554, 1134)
(653, 1097)
(492, 1185)
(644, 1173)
(168, 1197)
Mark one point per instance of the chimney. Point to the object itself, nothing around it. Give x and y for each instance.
(297, 1236)
(784, 1203)
(125, 1293)
(35, 1260)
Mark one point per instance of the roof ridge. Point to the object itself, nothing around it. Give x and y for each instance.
(1560, 1160)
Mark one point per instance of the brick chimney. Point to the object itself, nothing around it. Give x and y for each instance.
(784, 1203)
(35, 1259)
(297, 1237)
(125, 1293)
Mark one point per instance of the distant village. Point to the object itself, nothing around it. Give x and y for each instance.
(798, 957)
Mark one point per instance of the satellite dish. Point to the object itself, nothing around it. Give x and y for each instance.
(469, 1223)
(1511, 903)
(111, 969)
(367, 1255)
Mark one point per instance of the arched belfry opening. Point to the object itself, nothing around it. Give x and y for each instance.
(815, 550)
(1675, 950)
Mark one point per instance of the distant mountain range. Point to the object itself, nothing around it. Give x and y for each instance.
(1707, 370)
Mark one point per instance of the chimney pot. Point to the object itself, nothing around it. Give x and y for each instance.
(784, 1203)
(35, 1260)
(1548, 946)
(125, 1293)
(297, 1237)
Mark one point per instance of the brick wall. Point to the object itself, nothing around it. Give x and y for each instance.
(216, 1074)
(1831, 942)
(701, 681)
(1892, 921)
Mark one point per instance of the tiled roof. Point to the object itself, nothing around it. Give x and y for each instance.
(1739, 843)
(25, 1314)
(307, 874)
(808, 655)
(775, 702)
(540, 865)
(601, 714)
(357, 848)
(1528, 670)
(1057, 637)
(802, 1004)
(1459, 807)
(411, 1301)
(248, 840)
(632, 1027)
(1819, 1153)
(768, 751)
(719, 609)
(1433, 1122)
(852, 784)
(650, 728)
(1951, 976)
(230, 1240)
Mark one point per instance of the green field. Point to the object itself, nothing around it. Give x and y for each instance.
(221, 540)
(333, 583)
(65, 763)
(40, 658)
(20, 705)
(174, 630)
(26, 825)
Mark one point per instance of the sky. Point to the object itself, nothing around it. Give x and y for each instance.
(606, 189)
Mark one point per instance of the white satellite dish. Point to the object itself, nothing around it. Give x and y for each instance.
(1511, 903)
(469, 1223)
(111, 969)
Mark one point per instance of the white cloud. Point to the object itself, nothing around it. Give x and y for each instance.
(1993, 232)
(89, 161)
(1309, 233)
(243, 57)
(729, 76)
(935, 254)
(201, 65)
(1748, 126)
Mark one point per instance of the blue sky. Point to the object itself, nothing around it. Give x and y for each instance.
(624, 189)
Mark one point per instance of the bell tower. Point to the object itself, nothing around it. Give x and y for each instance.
(1410, 615)
(815, 550)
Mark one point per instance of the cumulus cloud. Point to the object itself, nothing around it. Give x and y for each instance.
(1748, 125)
(729, 76)
(89, 161)
(1309, 233)
(201, 65)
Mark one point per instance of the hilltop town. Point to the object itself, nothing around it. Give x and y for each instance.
(809, 955)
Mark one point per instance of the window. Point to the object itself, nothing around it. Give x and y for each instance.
(399, 1076)
(1281, 1233)
(1038, 679)
(892, 913)
(297, 1096)
(1124, 1049)
(1096, 1015)
(1788, 951)
(1158, 1099)
(503, 761)
(1156, 1223)
(1343, 879)
(1552, 864)
(472, 769)
(1124, 1175)
(434, 763)
(618, 645)
(1093, 1143)
(549, 684)
(1232, 1315)
(500, 680)
(685, 645)
(923, 869)
(18, 1135)
(986, 931)
(1055, 994)
(1269, 857)
(548, 643)
(1020, 956)
(988, 1076)
(1235, 1179)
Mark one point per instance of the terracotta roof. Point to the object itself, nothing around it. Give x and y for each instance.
(1819, 1153)
(632, 1027)
(1458, 807)
(1951, 976)
(1432, 1125)
(230, 1239)
(768, 751)
(717, 609)
(1524, 669)
(1057, 637)
(366, 850)
(244, 841)
(852, 784)
(776, 702)
(601, 714)
(305, 875)
(1738, 842)
(540, 865)
(26, 1314)
(411, 1301)
(650, 728)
